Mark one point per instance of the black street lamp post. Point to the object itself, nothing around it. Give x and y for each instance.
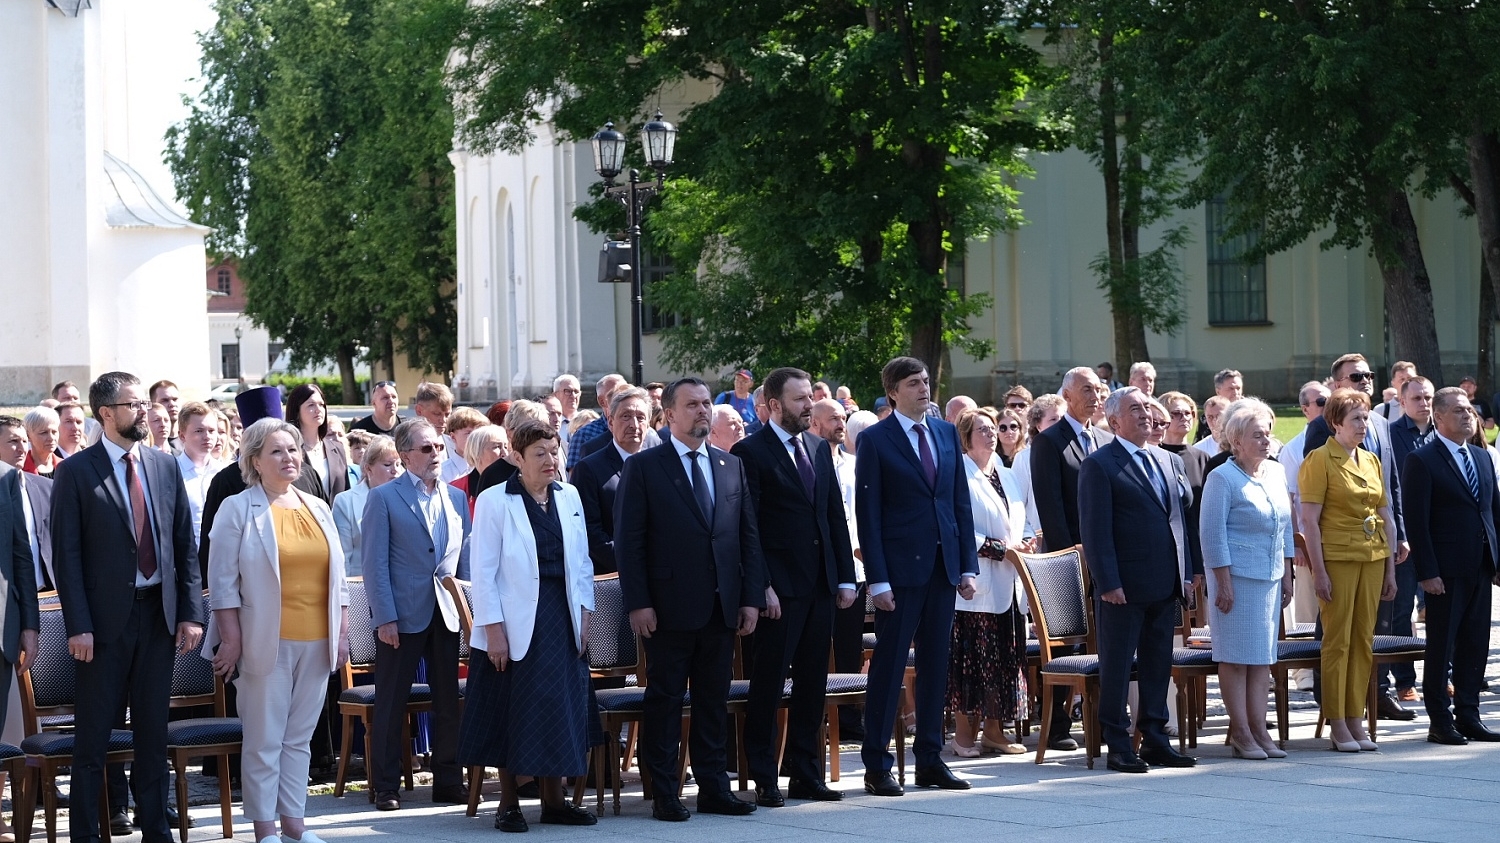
(658, 138)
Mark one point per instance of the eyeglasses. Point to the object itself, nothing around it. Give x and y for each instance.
(1322, 401)
(135, 406)
(1008, 428)
(1015, 405)
(1158, 425)
(429, 448)
(1182, 414)
(379, 384)
(1359, 377)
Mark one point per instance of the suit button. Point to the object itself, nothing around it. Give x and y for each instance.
(817, 542)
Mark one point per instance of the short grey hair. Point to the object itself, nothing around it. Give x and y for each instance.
(254, 441)
(1112, 403)
(481, 439)
(561, 379)
(607, 385)
(1072, 376)
(40, 417)
(406, 432)
(1239, 418)
(725, 411)
(522, 410)
(855, 425)
(1142, 369)
(1310, 392)
(623, 395)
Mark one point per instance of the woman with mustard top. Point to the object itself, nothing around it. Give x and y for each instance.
(1346, 518)
(279, 615)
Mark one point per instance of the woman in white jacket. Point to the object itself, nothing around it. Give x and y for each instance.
(987, 673)
(528, 709)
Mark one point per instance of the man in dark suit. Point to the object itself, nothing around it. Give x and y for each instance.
(692, 576)
(1352, 371)
(916, 528)
(1055, 457)
(416, 531)
(1411, 428)
(36, 494)
(18, 609)
(128, 578)
(810, 565)
(598, 476)
(1452, 507)
(1143, 554)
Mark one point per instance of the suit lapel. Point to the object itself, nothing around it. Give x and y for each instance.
(724, 479)
(902, 441)
(111, 485)
(408, 495)
(163, 497)
(1458, 472)
(785, 466)
(676, 469)
(1132, 469)
(265, 527)
(551, 525)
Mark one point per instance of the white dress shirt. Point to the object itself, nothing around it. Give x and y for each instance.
(196, 480)
(703, 463)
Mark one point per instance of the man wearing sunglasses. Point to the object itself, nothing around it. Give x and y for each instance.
(415, 532)
(1353, 371)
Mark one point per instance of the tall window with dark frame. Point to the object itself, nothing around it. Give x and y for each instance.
(1236, 288)
(225, 286)
(655, 267)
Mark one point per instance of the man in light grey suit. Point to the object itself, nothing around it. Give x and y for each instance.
(416, 531)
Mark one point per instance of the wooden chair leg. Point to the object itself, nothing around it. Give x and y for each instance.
(1046, 732)
(47, 776)
(831, 715)
(1279, 677)
(23, 799)
(182, 795)
(406, 756)
(346, 748)
(226, 796)
(900, 736)
(742, 758)
(1183, 715)
(369, 761)
(476, 784)
(1372, 699)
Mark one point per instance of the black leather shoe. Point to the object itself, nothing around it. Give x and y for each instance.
(1062, 743)
(1446, 735)
(450, 794)
(669, 809)
(769, 796)
(566, 814)
(511, 820)
(813, 790)
(724, 803)
(1388, 708)
(939, 776)
(1166, 756)
(883, 784)
(119, 823)
(1126, 762)
(387, 800)
(1477, 732)
(529, 790)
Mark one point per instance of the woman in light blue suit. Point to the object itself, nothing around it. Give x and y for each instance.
(1245, 526)
(529, 709)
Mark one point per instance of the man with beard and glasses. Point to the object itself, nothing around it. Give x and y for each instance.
(810, 570)
(128, 580)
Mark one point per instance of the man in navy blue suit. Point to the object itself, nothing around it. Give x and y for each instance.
(1143, 554)
(916, 532)
(1452, 507)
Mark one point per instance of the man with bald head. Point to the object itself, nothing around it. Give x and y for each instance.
(1056, 455)
(956, 407)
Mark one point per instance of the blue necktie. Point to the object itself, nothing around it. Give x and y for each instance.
(700, 489)
(1154, 477)
(1470, 476)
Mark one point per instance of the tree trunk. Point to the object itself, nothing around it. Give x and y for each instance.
(1408, 289)
(1130, 347)
(926, 235)
(346, 375)
(1484, 176)
(1486, 370)
(1121, 220)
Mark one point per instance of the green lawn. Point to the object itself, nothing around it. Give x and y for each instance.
(1289, 422)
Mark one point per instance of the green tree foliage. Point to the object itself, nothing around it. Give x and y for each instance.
(847, 151)
(1315, 117)
(318, 153)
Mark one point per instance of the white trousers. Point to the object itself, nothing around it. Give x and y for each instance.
(279, 712)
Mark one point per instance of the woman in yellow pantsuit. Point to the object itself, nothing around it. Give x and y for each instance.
(1346, 518)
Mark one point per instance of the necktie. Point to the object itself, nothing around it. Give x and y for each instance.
(145, 544)
(1470, 476)
(700, 489)
(929, 466)
(1086, 436)
(804, 467)
(1151, 475)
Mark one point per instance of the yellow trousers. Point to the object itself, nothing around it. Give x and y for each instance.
(1349, 636)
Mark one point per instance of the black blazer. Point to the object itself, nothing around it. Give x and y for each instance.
(1055, 457)
(1129, 540)
(1447, 528)
(671, 559)
(1406, 438)
(39, 493)
(230, 482)
(338, 468)
(18, 607)
(93, 543)
(596, 478)
(806, 545)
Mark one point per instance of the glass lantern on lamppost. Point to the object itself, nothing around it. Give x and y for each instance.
(658, 140)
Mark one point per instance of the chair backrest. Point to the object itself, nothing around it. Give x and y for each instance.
(462, 592)
(49, 687)
(193, 680)
(361, 633)
(612, 648)
(1057, 589)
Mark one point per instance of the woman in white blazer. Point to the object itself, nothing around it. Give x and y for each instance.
(987, 673)
(380, 464)
(528, 709)
(280, 617)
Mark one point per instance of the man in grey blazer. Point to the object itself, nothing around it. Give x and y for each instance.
(416, 531)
